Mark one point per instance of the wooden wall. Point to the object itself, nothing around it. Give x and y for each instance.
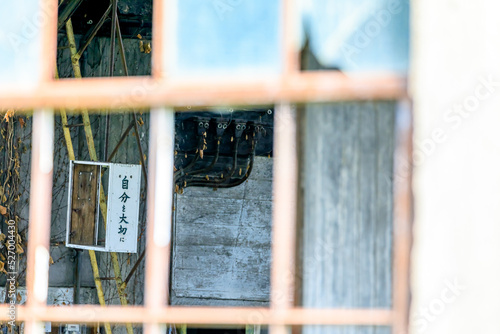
(95, 62)
(347, 215)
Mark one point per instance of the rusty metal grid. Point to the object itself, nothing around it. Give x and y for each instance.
(291, 87)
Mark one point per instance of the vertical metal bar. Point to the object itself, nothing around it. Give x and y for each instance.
(134, 114)
(159, 211)
(77, 282)
(113, 37)
(97, 206)
(290, 35)
(139, 147)
(121, 47)
(70, 199)
(285, 180)
(64, 122)
(49, 39)
(160, 9)
(37, 279)
(106, 136)
(403, 215)
(111, 69)
(284, 211)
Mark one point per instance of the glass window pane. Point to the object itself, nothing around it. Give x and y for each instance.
(21, 25)
(224, 37)
(365, 35)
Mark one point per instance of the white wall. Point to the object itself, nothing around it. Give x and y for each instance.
(456, 88)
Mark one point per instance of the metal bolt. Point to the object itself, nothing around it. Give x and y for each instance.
(269, 111)
(90, 22)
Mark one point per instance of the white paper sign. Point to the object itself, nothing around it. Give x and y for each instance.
(123, 208)
(122, 215)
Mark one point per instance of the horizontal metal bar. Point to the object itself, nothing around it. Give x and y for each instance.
(92, 163)
(201, 315)
(94, 248)
(121, 93)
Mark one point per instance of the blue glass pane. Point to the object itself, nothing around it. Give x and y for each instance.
(21, 23)
(227, 36)
(362, 35)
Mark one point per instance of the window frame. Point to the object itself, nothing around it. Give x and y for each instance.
(162, 94)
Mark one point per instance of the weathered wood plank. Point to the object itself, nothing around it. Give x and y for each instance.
(83, 205)
(347, 236)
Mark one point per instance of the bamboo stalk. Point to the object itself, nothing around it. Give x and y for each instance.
(102, 203)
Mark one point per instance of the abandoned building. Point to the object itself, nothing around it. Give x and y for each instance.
(236, 166)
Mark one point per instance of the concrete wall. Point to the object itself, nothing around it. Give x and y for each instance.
(221, 242)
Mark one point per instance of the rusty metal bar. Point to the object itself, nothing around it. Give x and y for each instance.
(203, 315)
(134, 268)
(139, 146)
(285, 171)
(159, 214)
(158, 54)
(49, 42)
(37, 278)
(73, 125)
(114, 4)
(290, 35)
(284, 211)
(121, 47)
(93, 33)
(403, 217)
(134, 114)
(121, 93)
(111, 69)
(284, 207)
(120, 142)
